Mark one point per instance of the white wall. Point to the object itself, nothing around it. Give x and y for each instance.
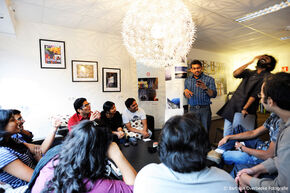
(40, 93)
(155, 108)
(282, 55)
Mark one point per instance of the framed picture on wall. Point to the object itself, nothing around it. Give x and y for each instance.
(84, 71)
(52, 54)
(111, 80)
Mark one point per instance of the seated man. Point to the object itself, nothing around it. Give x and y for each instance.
(134, 118)
(23, 135)
(112, 119)
(275, 95)
(83, 112)
(252, 150)
(183, 147)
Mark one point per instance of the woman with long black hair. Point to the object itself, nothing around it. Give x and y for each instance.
(18, 159)
(81, 164)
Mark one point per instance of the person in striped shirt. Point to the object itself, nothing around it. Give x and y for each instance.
(17, 158)
(199, 89)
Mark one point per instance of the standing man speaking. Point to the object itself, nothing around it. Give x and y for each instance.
(199, 88)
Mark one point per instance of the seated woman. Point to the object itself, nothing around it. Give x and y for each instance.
(17, 159)
(183, 147)
(112, 119)
(81, 164)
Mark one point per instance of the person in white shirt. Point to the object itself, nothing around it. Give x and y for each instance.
(134, 118)
(183, 147)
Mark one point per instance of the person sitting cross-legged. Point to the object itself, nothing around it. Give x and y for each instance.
(112, 119)
(275, 94)
(83, 112)
(134, 119)
(252, 150)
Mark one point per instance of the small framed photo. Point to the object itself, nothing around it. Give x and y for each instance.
(52, 54)
(111, 80)
(84, 71)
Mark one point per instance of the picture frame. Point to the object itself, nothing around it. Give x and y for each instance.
(111, 79)
(52, 54)
(84, 71)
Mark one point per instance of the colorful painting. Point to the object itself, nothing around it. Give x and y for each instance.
(147, 89)
(52, 54)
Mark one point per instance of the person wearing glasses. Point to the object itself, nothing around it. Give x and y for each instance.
(275, 93)
(23, 135)
(83, 112)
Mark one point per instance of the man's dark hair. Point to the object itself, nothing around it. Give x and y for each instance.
(195, 62)
(79, 103)
(277, 87)
(272, 64)
(107, 106)
(129, 102)
(15, 112)
(183, 144)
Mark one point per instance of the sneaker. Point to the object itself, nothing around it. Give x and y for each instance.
(214, 156)
(126, 144)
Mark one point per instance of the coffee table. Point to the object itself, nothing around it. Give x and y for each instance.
(139, 156)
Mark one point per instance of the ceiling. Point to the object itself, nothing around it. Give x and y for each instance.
(216, 29)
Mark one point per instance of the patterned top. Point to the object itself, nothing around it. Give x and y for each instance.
(272, 124)
(135, 118)
(200, 97)
(8, 155)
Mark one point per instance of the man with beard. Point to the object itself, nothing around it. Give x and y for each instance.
(245, 99)
(275, 94)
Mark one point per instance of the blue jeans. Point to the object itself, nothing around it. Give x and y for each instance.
(238, 157)
(239, 167)
(228, 128)
(204, 115)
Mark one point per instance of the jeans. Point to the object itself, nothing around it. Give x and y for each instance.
(204, 115)
(239, 167)
(228, 128)
(238, 157)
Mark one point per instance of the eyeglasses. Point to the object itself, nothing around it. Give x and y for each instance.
(20, 119)
(88, 104)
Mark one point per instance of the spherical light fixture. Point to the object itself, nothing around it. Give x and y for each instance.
(158, 31)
